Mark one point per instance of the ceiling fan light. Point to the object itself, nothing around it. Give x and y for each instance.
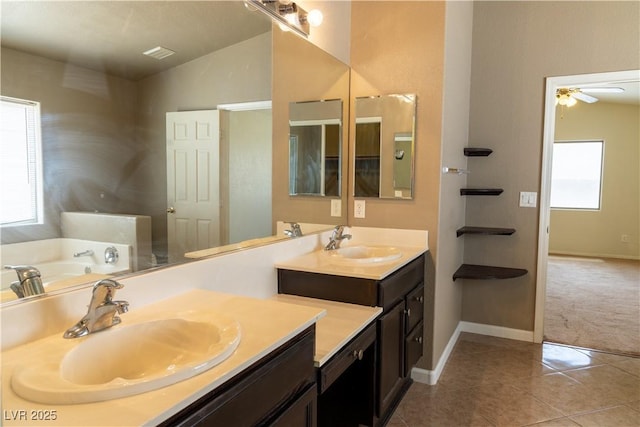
(571, 101)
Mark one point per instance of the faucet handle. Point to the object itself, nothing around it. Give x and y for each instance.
(104, 290)
(24, 271)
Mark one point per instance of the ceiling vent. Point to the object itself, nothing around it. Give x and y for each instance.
(159, 52)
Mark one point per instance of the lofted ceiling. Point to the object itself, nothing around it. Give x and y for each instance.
(110, 36)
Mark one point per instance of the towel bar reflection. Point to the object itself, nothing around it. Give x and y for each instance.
(455, 170)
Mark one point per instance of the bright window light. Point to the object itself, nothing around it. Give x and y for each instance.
(20, 162)
(576, 175)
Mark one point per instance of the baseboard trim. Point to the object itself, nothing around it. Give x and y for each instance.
(496, 331)
(431, 377)
(592, 255)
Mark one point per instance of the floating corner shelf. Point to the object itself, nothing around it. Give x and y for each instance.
(477, 152)
(487, 272)
(495, 231)
(481, 191)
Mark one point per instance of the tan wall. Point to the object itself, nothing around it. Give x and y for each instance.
(398, 47)
(598, 232)
(515, 46)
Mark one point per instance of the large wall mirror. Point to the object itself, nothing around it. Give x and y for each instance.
(103, 109)
(384, 146)
(315, 147)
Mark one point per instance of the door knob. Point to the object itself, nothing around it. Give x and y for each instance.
(171, 210)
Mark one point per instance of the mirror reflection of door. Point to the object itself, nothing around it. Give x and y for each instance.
(402, 164)
(193, 189)
(367, 158)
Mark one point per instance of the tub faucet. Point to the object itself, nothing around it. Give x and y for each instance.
(103, 311)
(29, 281)
(88, 252)
(295, 231)
(336, 238)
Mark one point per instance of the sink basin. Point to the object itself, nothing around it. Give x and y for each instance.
(364, 255)
(126, 360)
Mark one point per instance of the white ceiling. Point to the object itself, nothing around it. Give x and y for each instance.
(631, 94)
(111, 35)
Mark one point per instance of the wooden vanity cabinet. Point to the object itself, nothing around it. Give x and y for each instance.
(399, 328)
(278, 390)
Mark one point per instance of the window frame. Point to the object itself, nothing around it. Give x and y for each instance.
(601, 176)
(36, 158)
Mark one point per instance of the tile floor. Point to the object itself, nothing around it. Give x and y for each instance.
(492, 381)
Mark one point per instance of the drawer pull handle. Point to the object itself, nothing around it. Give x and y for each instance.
(408, 312)
(358, 354)
(420, 298)
(418, 340)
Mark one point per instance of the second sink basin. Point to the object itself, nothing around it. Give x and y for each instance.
(127, 360)
(364, 255)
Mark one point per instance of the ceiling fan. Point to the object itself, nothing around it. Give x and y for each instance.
(569, 96)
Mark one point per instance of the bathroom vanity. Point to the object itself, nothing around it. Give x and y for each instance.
(397, 287)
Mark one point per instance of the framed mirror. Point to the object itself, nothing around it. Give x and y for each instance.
(384, 141)
(315, 147)
(103, 110)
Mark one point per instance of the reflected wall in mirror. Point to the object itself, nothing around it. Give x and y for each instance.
(315, 144)
(384, 146)
(103, 112)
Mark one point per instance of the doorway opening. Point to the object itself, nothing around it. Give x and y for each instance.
(588, 280)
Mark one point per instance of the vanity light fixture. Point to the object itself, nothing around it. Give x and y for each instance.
(284, 12)
(159, 52)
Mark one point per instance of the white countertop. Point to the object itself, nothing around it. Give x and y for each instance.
(342, 323)
(265, 324)
(319, 262)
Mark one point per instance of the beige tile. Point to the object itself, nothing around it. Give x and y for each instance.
(564, 393)
(504, 405)
(558, 422)
(630, 365)
(604, 357)
(619, 416)
(635, 405)
(562, 357)
(608, 382)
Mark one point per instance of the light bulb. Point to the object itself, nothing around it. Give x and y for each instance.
(314, 17)
(571, 101)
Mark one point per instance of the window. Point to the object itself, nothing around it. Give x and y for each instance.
(576, 177)
(20, 162)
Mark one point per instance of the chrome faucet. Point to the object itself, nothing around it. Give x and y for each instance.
(103, 311)
(295, 231)
(336, 238)
(88, 252)
(29, 281)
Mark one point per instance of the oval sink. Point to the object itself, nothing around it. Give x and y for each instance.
(364, 255)
(128, 360)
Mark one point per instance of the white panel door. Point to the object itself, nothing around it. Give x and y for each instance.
(193, 182)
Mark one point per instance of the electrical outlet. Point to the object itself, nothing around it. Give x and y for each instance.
(336, 207)
(358, 208)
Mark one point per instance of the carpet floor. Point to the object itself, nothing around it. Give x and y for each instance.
(593, 303)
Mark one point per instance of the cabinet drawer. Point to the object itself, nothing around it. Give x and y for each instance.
(351, 353)
(396, 286)
(413, 348)
(415, 307)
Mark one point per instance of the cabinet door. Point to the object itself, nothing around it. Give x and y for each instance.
(390, 355)
(413, 350)
(301, 413)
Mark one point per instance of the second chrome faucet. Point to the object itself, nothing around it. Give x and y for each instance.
(336, 238)
(103, 311)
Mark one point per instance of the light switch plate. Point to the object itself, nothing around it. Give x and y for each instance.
(528, 199)
(336, 207)
(358, 208)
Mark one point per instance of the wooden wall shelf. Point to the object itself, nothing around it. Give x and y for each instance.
(487, 272)
(485, 230)
(481, 191)
(477, 152)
